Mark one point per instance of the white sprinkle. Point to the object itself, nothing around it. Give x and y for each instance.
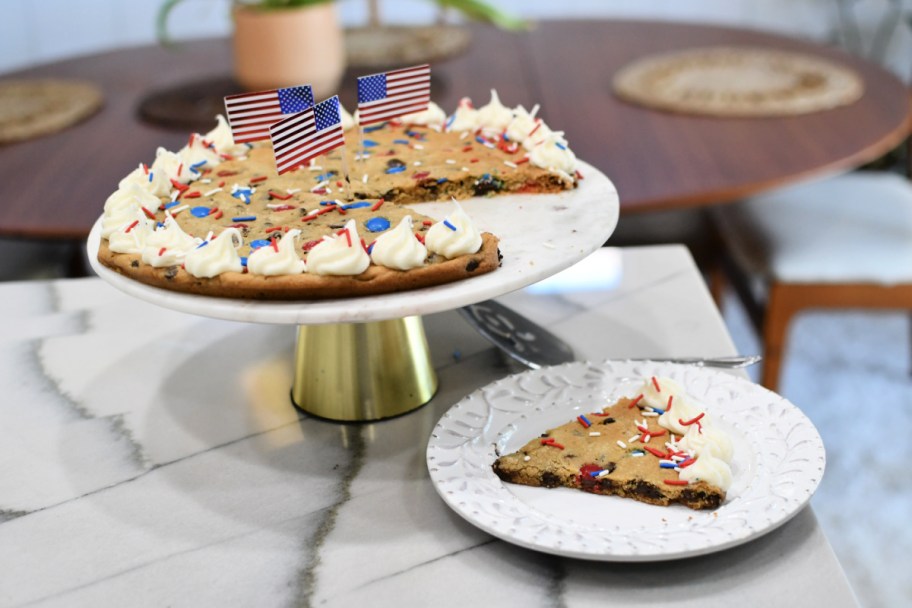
(511, 165)
(337, 202)
(364, 178)
(648, 408)
(464, 135)
(670, 446)
(174, 195)
(603, 473)
(622, 444)
(293, 190)
(417, 163)
(314, 168)
(450, 161)
(206, 181)
(648, 437)
(651, 414)
(636, 454)
(364, 156)
(179, 209)
(418, 147)
(678, 458)
(489, 145)
(549, 245)
(329, 190)
(320, 185)
(275, 205)
(666, 461)
(634, 438)
(211, 192)
(527, 458)
(594, 434)
(466, 169)
(678, 469)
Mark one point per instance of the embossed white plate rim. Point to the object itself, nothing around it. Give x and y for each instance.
(778, 464)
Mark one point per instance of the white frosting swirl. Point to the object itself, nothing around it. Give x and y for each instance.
(711, 441)
(523, 124)
(537, 136)
(131, 238)
(269, 262)
(167, 246)
(495, 116)
(709, 469)
(658, 397)
(122, 205)
(554, 154)
(221, 137)
(450, 242)
(348, 121)
(196, 152)
(398, 248)
(338, 254)
(433, 116)
(683, 408)
(171, 166)
(218, 255)
(465, 118)
(156, 184)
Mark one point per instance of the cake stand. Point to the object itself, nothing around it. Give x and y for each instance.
(362, 359)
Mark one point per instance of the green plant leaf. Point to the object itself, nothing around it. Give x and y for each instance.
(482, 11)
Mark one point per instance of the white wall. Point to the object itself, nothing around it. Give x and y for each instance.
(40, 31)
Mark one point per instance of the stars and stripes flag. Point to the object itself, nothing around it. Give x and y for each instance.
(391, 94)
(251, 114)
(299, 138)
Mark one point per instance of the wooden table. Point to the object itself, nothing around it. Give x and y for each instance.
(54, 187)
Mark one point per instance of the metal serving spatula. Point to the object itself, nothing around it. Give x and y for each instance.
(534, 346)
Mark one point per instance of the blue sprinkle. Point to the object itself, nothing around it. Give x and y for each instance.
(595, 473)
(640, 452)
(486, 176)
(244, 218)
(150, 175)
(442, 180)
(370, 248)
(357, 205)
(449, 225)
(327, 203)
(174, 204)
(203, 244)
(404, 142)
(480, 139)
(398, 169)
(243, 261)
(370, 143)
(561, 146)
(195, 166)
(200, 211)
(377, 224)
(449, 121)
(658, 411)
(375, 128)
(160, 225)
(586, 420)
(259, 243)
(667, 465)
(323, 176)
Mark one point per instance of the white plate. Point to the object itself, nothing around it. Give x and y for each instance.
(778, 463)
(540, 235)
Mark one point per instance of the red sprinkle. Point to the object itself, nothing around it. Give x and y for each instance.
(319, 191)
(194, 194)
(284, 208)
(582, 421)
(338, 184)
(377, 205)
(551, 442)
(131, 226)
(668, 407)
(655, 383)
(522, 160)
(218, 214)
(348, 236)
(686, 463)
(676, 482)
(538, 124)
(635, 401)
(473, 160)
(225, 173)
(148, 213)
(692, 420)
(276, 228)
(179, 186)
(427, 223)
(180, 168)
(655, 452)
(161, 251)
(467, 149)
(258, 179)
(310, 244)
(279, 195)
(145, 169)
(275, 245)
(420, 238)
(578, 174)
(421, 175)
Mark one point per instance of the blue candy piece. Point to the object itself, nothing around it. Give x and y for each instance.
(243, 261)
(200, 211)
(398, 169)
(442, 180)
(259, 243)
(370, 143)
(377, 224)
(357, 205)
(374, 128)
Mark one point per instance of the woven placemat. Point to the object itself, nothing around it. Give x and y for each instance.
(32, 108)
(738, 81)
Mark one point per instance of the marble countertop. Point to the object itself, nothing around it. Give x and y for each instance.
(151, 458)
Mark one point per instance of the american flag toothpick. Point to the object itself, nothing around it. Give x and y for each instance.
(299, 138)
(391, 94)
(251, 114)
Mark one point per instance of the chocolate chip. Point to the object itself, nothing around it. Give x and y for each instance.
(171, 272)
(135, 263)
(608, 420)
(394, 162)
(549, 480)
(472, 265)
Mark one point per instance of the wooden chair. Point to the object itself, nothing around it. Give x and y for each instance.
(840, 242)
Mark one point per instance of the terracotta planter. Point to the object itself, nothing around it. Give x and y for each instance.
(286, 47)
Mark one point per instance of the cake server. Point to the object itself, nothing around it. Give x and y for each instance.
(527, 342)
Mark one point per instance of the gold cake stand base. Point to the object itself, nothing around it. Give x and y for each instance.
(359, 372)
